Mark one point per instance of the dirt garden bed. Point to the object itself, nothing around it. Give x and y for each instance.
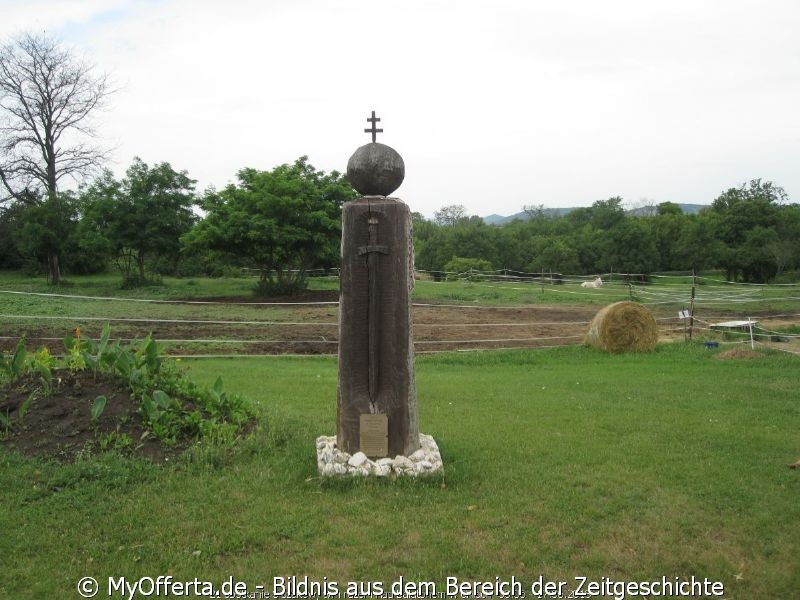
(106, 395)
(59, 424)
(313, 328)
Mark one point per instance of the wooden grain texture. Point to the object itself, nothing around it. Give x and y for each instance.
(394, 389)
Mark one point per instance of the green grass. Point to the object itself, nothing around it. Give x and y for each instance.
(711, 295)
(560, 463)
(170, 288)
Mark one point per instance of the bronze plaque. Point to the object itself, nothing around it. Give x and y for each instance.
(374, 435)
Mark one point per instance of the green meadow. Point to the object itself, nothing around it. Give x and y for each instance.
(559, 463)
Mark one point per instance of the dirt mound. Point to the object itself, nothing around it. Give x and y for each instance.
(59, 424)
(738, 354)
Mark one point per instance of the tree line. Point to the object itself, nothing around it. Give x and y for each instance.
(152, 222)
(750, 232)
(287, 221)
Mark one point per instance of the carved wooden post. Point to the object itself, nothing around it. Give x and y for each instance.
(376, 349)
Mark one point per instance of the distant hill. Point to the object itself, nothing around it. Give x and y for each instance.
(500, 219)
(692, 209)
(689, 209)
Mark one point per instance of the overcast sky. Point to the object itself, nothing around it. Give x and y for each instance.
(493, 104)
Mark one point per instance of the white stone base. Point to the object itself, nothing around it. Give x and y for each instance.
(331, 461)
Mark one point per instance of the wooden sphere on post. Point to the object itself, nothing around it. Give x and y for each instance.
(375, 169)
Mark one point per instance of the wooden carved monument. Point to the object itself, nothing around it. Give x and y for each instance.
(376, 398)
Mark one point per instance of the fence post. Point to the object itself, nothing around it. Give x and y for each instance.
(691, 305)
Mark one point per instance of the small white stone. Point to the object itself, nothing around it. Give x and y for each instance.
(418, 455)
(341, 457)
(401, 462)
(358, 459)
(339, 469)
(384, 461)
(382, 470)
(426, 464)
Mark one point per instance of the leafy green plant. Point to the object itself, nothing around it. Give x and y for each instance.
(6, 424)
(42, 362)
(23, 409)
(223, 405)
(114, 440)
(75, 351)
(95, 353)
(98, 406)
(469, 268)
(18, 364)
(14, 365)
(163, 415)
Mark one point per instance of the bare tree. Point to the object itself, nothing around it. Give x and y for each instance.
(535, 211)
(645, 207)
(450, 215)
(47, 97)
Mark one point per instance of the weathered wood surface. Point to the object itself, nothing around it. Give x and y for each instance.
(387, 352)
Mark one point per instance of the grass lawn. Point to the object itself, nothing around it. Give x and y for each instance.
(711, 294)
(558, 463)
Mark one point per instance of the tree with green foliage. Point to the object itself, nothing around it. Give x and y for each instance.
(668, 208)
(754, 190)
(786, 250)
(629, 247)
(30, 235)
(45, 229)
(667, 227)
(283, 222)
(757, 260)
(605, 214)
(437, 249)
(737, 212)
(139, 218)
(697, 246)
(10, 219)
(553, 255)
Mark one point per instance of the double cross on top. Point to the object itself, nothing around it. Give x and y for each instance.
(373, 130)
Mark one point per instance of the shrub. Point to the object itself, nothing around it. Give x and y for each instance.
(459, 267)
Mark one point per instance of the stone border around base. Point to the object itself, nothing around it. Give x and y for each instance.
(332, 462)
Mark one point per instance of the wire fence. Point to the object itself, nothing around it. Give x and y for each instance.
(685, 306)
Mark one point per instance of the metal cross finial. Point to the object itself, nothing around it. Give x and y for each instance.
(373, 119)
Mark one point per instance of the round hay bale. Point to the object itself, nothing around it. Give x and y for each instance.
(623, 327)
